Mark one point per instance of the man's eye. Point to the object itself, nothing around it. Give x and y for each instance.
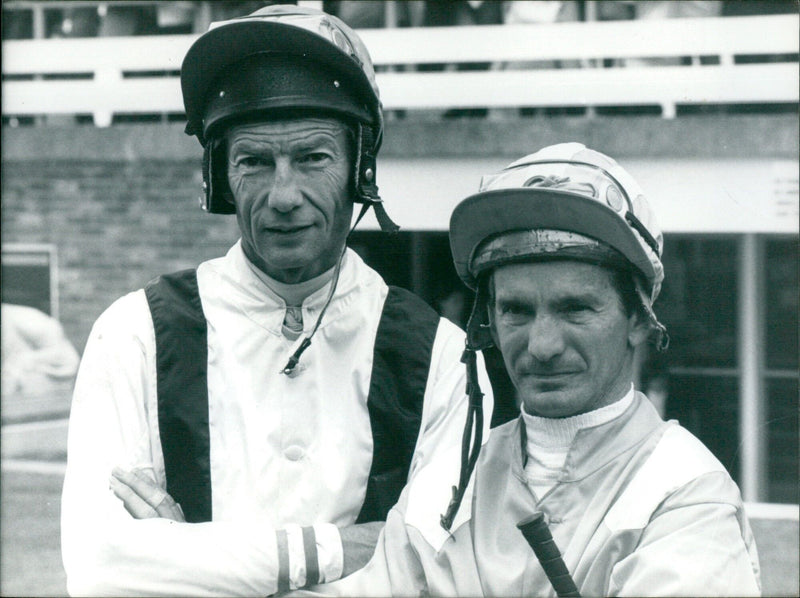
(512, 311)
(313, 158)
(250, 161)
(577, 308)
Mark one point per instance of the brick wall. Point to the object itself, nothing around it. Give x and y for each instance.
(116, 225)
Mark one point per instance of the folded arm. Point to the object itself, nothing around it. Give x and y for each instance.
(143, 498)
(141, 546)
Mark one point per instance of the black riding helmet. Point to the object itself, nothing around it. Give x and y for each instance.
(281, 61)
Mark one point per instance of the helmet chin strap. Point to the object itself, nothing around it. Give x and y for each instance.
(478, 339)
(471, 439)
(661, 335)
(366, 187)
(288, 369)
(386, 223)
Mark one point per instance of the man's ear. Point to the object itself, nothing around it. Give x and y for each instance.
(638, 328)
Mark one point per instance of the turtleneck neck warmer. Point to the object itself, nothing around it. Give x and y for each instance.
(294, 295)
(549, 440)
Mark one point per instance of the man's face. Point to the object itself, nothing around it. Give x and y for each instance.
(290, 180)
(566, 340)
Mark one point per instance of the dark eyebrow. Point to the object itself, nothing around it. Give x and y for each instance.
(512, 300)
(586, 299)
(579, 297)
(245, 145)
(515, 300)
(313, 142)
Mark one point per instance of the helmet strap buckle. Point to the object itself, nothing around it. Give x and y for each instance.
(365, 176)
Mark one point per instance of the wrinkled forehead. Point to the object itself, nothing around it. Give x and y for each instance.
(287, 126)
(331, 133)
(557, 280)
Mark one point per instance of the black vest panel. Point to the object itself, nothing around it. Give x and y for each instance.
(181, 362)
(402, 356)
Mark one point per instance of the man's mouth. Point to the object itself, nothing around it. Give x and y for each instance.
(287, 229)
(549, 381)
(550, 375)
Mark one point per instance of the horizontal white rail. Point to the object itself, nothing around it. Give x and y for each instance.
(492, 43)
(585, 40)
(139, 74)
(576, 87)
(567, 87)
(89, 54)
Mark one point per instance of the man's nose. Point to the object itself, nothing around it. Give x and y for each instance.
(545, 338)
(285, 194)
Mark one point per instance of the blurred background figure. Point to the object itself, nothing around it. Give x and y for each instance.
(368, 14)
(540, 11)
(37, 358)
(440, 13)
(671, 9)
(677, 9)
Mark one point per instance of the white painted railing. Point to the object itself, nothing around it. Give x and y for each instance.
(614, 63)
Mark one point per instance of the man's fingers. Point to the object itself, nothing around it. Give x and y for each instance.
(169, 509)
(134, 504)
(145, 488)
(143, 497)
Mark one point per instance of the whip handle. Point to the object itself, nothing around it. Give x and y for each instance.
(544, 547)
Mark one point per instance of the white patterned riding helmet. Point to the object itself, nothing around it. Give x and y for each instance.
(564, 201)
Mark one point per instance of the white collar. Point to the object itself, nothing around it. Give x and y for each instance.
(293, 294)
(559, 432)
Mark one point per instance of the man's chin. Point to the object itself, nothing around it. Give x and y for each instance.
(282, 264)
(549, 403)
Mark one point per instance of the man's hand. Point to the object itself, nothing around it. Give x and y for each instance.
(358, 544)
(142, 497)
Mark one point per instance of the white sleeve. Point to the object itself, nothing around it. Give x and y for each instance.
(107, 552)
(395, 568)
(691, 550)
(444, 412)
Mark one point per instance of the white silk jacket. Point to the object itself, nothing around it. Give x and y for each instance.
(641, 508)
(285, 451)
